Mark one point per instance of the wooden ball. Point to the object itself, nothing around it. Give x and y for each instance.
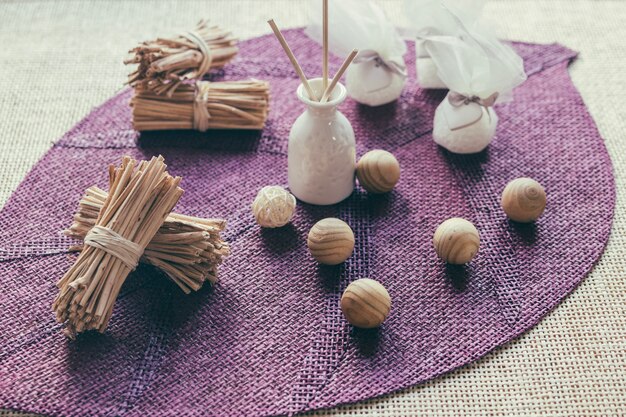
(365, 303)
(523, 200)
(456, 241)
(378, 171)
(331, 241)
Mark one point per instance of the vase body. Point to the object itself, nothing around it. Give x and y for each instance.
(453, 128)
(322, 149)
(373, 84)
(426, 69)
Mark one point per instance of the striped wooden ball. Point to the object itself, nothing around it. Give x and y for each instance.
(365, 303)
(378, 171)
(523, 200)
(331, 241)
(456, 241)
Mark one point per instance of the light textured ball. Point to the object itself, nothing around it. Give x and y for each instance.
(456, 241)
(273, 206)
(365, 303)
(378, 171)
(331, 241)
(523, 200)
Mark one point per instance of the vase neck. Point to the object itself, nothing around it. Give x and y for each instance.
(322, 112)
(319, 110)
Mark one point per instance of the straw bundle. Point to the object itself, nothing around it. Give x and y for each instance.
(140, 199)
(165, 63)
(187, 249)
(202, 106)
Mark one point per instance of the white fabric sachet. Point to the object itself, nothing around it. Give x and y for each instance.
(378, 74)
(437, 17)
(479, 70)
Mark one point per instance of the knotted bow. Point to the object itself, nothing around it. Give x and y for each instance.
(391, 65)
(458, 100)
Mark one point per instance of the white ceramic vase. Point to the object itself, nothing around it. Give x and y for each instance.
(322, 149)
(426, 69)
(465, 129)
(372, 84)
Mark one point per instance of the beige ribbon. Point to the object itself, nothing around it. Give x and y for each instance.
(207, 57)
(389, 64)
(201, 114)
(458, 100)
(112, 243)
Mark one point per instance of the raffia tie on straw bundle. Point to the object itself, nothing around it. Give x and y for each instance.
(202, 106)
(187, 249)
(165, 63)
(106, 239)
(140, 199)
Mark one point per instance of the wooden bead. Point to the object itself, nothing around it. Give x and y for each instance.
(378, 171)
(273, 206)
(331, 241)
(523, 200)
(365, 303)
(456, 241)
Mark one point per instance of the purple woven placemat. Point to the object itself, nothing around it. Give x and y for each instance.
(270, 338)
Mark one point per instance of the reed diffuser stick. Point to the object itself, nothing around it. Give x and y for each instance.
(325, 44)
(292, 58)
(203, 106)
(187, 249)
(338, 75)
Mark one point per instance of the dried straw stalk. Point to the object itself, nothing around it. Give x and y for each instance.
(205, 105)
(165, 63)
(187, 249)
(140, 199)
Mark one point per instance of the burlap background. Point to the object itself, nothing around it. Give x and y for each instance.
(60, 59)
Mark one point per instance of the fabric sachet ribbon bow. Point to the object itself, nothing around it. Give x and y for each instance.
(391, 65)
(458, 100)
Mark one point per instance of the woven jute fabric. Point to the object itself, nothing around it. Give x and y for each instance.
(574, 366)
(270, 338)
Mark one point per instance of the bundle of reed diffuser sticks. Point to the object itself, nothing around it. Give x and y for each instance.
(140, 198)
(187, 249)
(202, 106)
(327, 87)
(165, 63)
